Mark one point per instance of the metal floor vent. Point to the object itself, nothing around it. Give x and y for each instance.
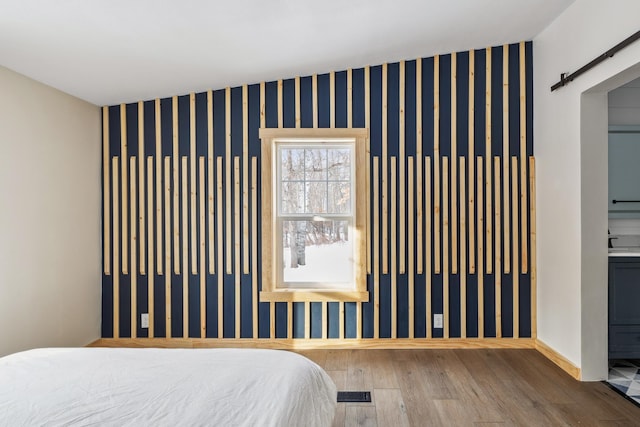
(354, 396)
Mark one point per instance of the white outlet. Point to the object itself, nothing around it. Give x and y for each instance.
(437, 321)
(144, 320)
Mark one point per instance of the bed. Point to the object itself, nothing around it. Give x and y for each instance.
(164, 387)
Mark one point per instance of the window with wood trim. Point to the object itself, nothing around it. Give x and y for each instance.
(314, 214)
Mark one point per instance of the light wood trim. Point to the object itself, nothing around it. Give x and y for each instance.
(341, 320)
(106, 191)
(272, 319)
(324, 320)
(210, 188)
(367, 125)
(280, 101)
(314, 343)
(150, 253)
(480, 248)
(471, 156)
(289, 319)
(410, 267)
(523, 159)
(176, 187)
(497, 257)
(487, 158)
(427, 261)
(358, 320)
(141, 186)
(419, 203)
(203, 241)
(268, 243)
(125, 187)
(401, 169)
(385, 197)
(167, 252)
(219, 250)
(254, 246)
(349, 98)
(158, 181)
(313, 295)
(376, 249)
(332, 99)
(463, 251)
(436, 164)
(133, 239)
(454, 164)
(297, 101)
(116, 247)
(227, 157)
(393, 221)
(246, 243)
(515, 267)
(185, 252)
(558, 359)
(505, 159)
(192, 184)
(445, 245)
(307, 320)
(314, 96)
(237, 272)
(533, 270)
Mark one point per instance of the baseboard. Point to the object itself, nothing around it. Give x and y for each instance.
(561, 361)
(308, 344)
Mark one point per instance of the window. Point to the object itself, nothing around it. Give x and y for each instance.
(313, 214)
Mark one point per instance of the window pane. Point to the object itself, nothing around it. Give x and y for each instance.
(316, 252)
(339, 198)
(315, 164)
(292, 164)
(292, 197)
(316, 197)
(339, 164)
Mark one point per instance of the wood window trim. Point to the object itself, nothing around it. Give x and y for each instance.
(270, 291)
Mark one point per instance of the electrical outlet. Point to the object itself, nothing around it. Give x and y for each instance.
(144, 320)
(437, 321)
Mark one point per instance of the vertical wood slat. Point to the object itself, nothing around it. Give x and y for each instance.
(263, 124)
(349, 98)
(227, 156)
(376, 251)
(141, 186)
(158, 181)
(106, 191)
(125, 187)
(133, 240)
(523, 158)
(332, 99)
(176, 187)
(185, 252)
(463, 251)
(314, 96)
(393, 221)
(280, 109)
(246, 243)
(192, 183)
(254, 246)
(219, 249)
(471, 155)
(367, 125)
(427, 249)
(487, 159)
(436, 164)
(533, 271)
(497, 259)
(505, 159)
(150, 253)
(515, 267)
(324, 320)
(454, 165)
(401, 168)
(263, 117)
(341, 320)
(167, 245)
(236, 244)
(419, 211)
(116, 247)
(410, 267)
(203, 241)
(297, 101)
(445, 245)
(210, 188)
(480, 248)
(307, 320)
(385, 199)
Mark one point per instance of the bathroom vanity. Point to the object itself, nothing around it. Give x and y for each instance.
(624, 304)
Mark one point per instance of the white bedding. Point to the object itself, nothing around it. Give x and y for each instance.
(163, 387)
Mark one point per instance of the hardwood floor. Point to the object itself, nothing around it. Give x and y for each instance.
(468, 388)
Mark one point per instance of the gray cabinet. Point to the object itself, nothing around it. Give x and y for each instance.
(624, 307)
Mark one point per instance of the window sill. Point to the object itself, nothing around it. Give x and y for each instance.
(314, 295)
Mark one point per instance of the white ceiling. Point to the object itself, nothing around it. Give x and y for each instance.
(113, 51)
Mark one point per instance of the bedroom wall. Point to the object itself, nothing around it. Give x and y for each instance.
(50, 217)
(160, 157)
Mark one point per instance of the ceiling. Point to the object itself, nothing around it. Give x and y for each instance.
(113, 51)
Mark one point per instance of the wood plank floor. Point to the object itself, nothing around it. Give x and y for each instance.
(468, 388)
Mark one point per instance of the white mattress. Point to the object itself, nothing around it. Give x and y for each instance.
(163, 387)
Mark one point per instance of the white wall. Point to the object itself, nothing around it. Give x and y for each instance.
(570, 145)
(50, 276)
